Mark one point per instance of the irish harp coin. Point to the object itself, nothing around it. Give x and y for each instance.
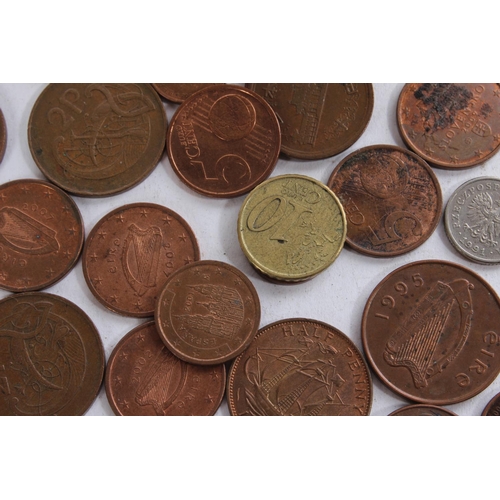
(144, 378)
(451, 125)
(300, 367)
(430, 332)
(97, 139)
(41, 235)
(422, 411)
(318, 120)
(391, 197)
(208, 312)
(223, 141)
(492, 409)
(178, 92)
(130, 253)
(3, 135)
(51, 356)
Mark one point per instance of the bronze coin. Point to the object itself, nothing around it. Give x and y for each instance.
(3, 135)
(51, 356)
(97, 139)
(178, 92)
(41, 235)
(223, 141)
(391, 197)
(492, 409)
(451, 125)
(422, 411)
(430, 332)
(300, 367)
(144, 378)
(318, 120)
(208, 312)
(130, 253)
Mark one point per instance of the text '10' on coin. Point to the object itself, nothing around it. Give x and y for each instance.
(300, 367)
(97, 139)
(422, 411)
(51, 356)
(3, 135)
(291, 227)
(130, 253)
(178, 92)
(391, 197)
(223, 141)
(430, 331)
(144, 378)
(208, 312)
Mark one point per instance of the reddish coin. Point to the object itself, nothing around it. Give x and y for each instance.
(97, 139)
(391, 197)
(3, 135)
(131, 252)
(41, 235)
(422, 411)
(430, 332)
(492, 409)
(179, 92)
(451, 125)
(208, 312)
(51, 356)
(144, 378)
(223, 141)
(300, 367)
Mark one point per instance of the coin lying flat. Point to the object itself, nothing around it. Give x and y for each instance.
(3, 135)
(492, 409)
(178, 92)
(422, 411)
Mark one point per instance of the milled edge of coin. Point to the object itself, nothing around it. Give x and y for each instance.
(400, 412)
(3, 135)
(494, 401)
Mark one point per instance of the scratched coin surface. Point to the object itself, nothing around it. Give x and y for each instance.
(51, 356)
(208, 312)
(422, 411)
(3, 135)
(223, 141)
(492, 409)
(41, 235)
(291, 227)
(451, 125)
(430, 331)
(97, 139)
(178, 92)
(130, 253)
(391, 197)
(300, 367)
(144, 378)
(318, 120)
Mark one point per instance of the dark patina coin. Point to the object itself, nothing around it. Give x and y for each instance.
(51, 356)
(492, 409)
(3, 135)
(144, 378)
(178, 92)
(97, 139)
(430, 332)
(422, 411)
(391, 197)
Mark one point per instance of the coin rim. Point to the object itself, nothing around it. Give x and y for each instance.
(397, 413)
(3, 136)
(491, 403)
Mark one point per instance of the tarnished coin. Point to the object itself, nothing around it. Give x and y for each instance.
(97, 139)
(51, 356)
(492, 409)
(431, 332)
(291, 227)
(179, 92)
(223, 141)
(300, 367)
(144, 378)
(208, 312)
(422, 411)
(451, 125)
(391, 197)
(318, 120)
(41, 235)
(3, 135)
(130, 253)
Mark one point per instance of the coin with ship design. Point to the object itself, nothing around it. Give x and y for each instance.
(422, 411)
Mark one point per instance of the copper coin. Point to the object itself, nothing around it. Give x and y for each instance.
(391, 197)
(3, 135)
(422, 411)
(130, 253)
(41, 235)
(451, 125)
(178, 92)
(430, 332)
(97, 139)
(208, 312)
(51, 356)
(223, 141)
(492, 409)
(300, 367)
(144, 378)
(318, 120)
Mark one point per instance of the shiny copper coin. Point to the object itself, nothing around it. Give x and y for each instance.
(430, 331)
(318, 120)
(51, 356)
(208, 312)
(179, 92)
(3, 135)
(492, 409)
(130, 253)
(97, 139)
(451, 125)
(422, 411)
(391, 197)
(300, 367)
(144, 378)
(223, 141)
(41, 235)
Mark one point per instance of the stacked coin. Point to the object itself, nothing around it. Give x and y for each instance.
(3, 135)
